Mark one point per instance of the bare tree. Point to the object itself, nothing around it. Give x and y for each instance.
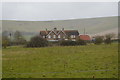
(99, 39)
(108, 38)
(18, 38)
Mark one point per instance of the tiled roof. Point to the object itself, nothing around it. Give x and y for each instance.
(44, 33)
(85, 37)
(71, 32)
(67, 32)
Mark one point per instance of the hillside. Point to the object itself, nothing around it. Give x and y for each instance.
(91, 25)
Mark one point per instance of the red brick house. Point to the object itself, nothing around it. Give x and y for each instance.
(85, 37)
(57, 35)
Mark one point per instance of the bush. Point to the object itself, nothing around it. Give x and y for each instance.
(56, 43)
(108, 41)
(72, 43)
(108, 38)
(98, 40)
(82, 42)
(5, 41)
(19, 42)
(67, 43)
(37, 41)
(18, 39)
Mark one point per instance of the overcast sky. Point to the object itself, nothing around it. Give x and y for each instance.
(57, 11)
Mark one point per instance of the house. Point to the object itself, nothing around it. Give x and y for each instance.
(85, 37)
(57, 35)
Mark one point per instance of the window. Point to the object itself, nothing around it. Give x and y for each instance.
(72, 36)
(54, 36)
(43, 36)
(58, 36)
(49, 36)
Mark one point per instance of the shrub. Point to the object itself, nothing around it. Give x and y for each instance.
(72, 43)
(18, 39)
(5, 41)
(67, 43)
(37, 41)
(56, 43)
(81, 42)
(98, 40)
(108, 38)
(108, 41)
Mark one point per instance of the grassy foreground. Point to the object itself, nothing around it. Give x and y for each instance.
(87, 61)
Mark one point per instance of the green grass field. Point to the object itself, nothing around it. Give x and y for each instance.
(87, 61)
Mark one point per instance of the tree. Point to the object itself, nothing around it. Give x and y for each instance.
(98, 39)
(18, 38)
(37, 41)
(5, 41)
(5, 33)
(108, 38)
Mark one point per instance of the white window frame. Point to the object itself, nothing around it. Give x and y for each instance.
(72, 36)
(54, 36)
(49, 36)
(59, 36)
(43, 36)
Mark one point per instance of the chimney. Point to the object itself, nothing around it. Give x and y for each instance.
(62, 29)
(55, 29)
(46, 31)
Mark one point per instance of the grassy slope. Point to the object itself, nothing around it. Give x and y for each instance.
(61, 61)
(92, 25)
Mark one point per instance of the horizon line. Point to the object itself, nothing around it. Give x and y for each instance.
(60, 19)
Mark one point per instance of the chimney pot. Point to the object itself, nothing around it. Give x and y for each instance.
(55, 29)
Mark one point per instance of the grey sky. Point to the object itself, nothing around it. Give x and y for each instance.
(57, 11)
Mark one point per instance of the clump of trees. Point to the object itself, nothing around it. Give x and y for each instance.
(108, 38)
(98, 40)
(37, 41)
(12, 38)
(5, 41)
(18, 39)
